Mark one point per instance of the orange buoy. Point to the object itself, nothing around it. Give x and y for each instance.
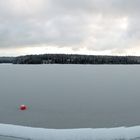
(23, 107)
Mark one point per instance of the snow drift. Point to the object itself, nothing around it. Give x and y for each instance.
(28, 133)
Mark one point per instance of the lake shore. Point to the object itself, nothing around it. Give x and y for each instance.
(24, 133)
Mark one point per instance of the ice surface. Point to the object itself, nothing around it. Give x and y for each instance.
(10, 132)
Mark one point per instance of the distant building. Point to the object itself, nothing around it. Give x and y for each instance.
(68, 60)
(46, 61)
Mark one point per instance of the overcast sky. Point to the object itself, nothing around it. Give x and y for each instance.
(110, 27)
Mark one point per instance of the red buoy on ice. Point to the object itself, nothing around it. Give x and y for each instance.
(23, 107)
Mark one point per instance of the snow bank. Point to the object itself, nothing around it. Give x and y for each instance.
(28, 133)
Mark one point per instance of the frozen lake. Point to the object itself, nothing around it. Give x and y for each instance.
(70, 96)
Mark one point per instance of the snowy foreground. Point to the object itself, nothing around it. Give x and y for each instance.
(13, 132)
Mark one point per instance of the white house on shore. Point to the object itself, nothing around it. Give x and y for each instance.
(46, 61)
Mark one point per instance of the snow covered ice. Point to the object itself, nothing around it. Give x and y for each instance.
(13, 132)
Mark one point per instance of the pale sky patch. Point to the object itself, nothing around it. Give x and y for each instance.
(60, 26)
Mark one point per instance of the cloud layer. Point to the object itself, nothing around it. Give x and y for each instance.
(111, 26)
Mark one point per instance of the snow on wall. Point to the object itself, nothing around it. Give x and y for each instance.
(28, 133)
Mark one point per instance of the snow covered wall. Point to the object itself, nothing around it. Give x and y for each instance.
(28, 133)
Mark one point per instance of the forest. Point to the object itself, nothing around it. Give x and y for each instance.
(70, 59)
(7, 59)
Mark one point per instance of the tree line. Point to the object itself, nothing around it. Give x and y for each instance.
(7, 59)
(75, 59)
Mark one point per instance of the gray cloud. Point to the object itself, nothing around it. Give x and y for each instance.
(93, 24)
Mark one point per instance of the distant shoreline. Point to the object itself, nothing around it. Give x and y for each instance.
(71, 59)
